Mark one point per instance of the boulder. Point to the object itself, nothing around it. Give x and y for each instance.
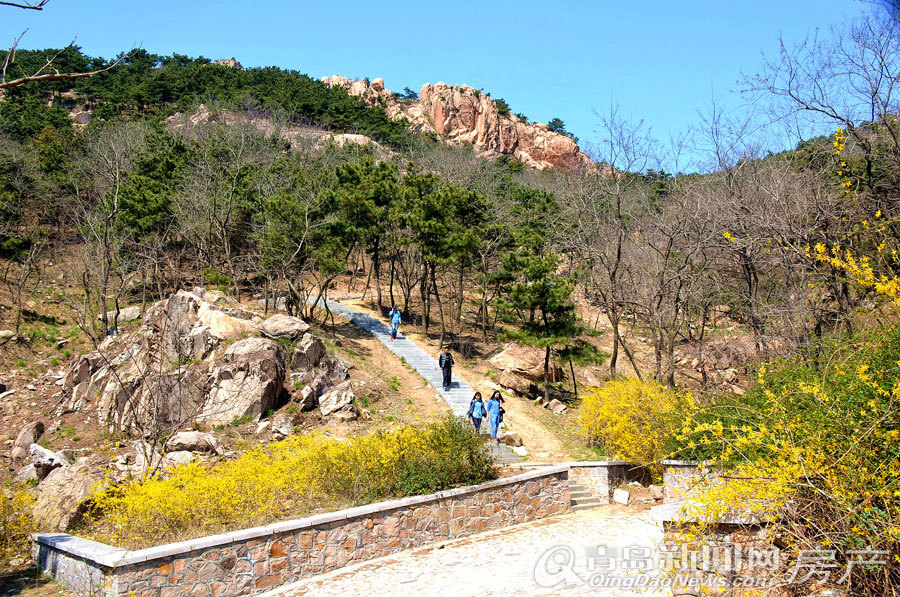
(337, 398)
(63, 496)
(526, 362)
(284, 326)
(657, 492)
(621, 496)
(192, 441)
(46, 461)
(7, 334)
(516, 383)
(346, 415)
(223, 325)
(282, 426)
(557, 407)
(28, 434)
(27, 474)
(248, 383)
(308, 353)
(126, 314)
(262, 427)
(510, 438)
(172, 459)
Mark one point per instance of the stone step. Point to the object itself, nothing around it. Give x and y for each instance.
(585, 501)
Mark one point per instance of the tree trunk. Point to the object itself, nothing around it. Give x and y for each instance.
(376, 264)
(547, 374)
(574, 381)
(437, 298)
(391, 287)
(614, 357)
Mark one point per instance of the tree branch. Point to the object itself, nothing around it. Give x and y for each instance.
(39, 5)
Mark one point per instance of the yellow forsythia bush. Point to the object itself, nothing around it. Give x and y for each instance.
(16, 523)
(633, 420)
(288, 479)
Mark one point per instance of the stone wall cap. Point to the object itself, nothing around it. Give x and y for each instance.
(100, 553)
(685, 462)
(112, 557)
(589, 463)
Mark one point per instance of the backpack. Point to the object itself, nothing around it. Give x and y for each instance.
(477, 410)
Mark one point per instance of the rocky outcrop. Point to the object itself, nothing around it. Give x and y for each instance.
(247, 384)
(198, 357)
(63, 496)
(461, 114)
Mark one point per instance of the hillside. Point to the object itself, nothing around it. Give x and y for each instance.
(173, 231)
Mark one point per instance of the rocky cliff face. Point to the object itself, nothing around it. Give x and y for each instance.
(461, 114)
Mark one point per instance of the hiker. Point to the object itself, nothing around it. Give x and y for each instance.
(477, 411)
(446, 365)
(499, 397)
(493, 411)
(395, 321)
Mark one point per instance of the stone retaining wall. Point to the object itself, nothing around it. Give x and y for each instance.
(681, 477)
(252, 560)
(601, 477)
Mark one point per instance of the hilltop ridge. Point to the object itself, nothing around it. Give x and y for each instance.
(460, 114)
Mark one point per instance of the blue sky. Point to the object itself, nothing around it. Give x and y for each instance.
(659, 61)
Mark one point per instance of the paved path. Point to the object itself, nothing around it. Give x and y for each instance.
(460, 393)
(504, 562)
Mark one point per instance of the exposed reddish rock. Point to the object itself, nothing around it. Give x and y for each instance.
(461, 114)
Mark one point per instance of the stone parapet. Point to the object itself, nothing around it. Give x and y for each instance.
(253, 560)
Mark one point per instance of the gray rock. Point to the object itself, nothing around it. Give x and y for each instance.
(63, 495)
(5, 334)
(28, 474)
(193, 441)
(510, 438)
(262, 427)
(346, 415)
(307, 353)
(621, 496)
(28, 435)
(284, 326)
(46, 461)
(178, 457)
(337, 398)
(248, 382)
(557, 407)
(126, 314)
(282, 426)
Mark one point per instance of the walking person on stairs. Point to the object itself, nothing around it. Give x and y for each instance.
(493, 412)
(395, 321)
(446, 365)
(477, 411)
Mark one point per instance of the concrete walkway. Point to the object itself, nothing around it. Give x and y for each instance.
(460, 393)
(596, 550)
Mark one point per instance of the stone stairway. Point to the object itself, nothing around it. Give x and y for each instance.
(460, 393)
(581, 498)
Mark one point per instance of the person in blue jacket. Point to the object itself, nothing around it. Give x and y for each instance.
(493, 411)
(477, 411)
(395, 321)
